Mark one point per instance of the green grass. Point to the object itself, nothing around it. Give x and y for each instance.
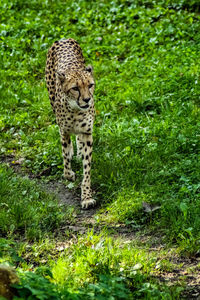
(103, 266)
(94, 267)
(27, 210)
(145, 56)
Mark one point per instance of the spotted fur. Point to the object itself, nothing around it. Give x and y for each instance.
(70, 86)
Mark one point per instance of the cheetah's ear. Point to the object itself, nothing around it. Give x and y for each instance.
(61, 75)
(89, 69)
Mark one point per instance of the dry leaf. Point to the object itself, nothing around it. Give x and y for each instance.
(148, 208)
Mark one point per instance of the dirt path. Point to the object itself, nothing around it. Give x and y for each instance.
(84, 218)
(186, 270)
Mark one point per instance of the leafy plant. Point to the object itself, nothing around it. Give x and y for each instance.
(33, 286)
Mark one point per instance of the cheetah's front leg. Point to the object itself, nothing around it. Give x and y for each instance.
(86, 151)
(79, 146)
(67, 150)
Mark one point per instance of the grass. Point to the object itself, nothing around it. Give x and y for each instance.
(95, 266)
(146, 137)
(97, 259)
(27, 210)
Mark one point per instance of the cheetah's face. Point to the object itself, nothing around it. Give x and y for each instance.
(78, 86)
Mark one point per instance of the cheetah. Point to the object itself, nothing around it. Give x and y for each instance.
(70, 85)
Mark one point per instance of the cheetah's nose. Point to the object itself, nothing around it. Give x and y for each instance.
(86, 100)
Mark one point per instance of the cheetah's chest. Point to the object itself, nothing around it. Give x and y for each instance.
(72, 123)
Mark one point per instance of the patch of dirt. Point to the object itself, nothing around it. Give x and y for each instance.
(185, 273)
(84, 219)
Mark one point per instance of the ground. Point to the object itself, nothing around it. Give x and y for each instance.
(185, 270)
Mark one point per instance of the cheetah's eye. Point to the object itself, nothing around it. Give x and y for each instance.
(91, 85)
(75, 88)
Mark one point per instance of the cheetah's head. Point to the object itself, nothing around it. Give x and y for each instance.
(78, 86)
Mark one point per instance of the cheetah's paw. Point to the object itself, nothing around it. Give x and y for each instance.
(88, 203)
(69, 175)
